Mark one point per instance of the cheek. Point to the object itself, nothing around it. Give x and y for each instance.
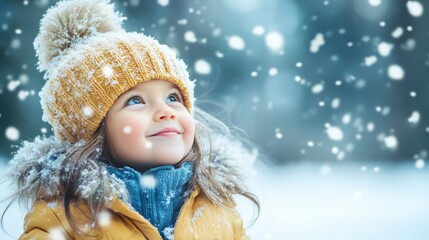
(132, 130)
(189, 125)
(126, 132)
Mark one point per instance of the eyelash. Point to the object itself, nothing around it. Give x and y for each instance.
(177, 95)
(133, 96)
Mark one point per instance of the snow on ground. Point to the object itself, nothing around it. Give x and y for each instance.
(345, 201)
(309, 201)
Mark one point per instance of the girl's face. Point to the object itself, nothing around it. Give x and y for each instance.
(149, 126)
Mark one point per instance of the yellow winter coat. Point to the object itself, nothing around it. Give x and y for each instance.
(198, 219)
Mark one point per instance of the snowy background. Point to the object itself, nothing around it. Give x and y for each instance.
(334, 93)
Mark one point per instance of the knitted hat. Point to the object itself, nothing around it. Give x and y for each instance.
(90, 61)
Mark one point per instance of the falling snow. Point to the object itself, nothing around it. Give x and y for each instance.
(22, 94)
(289, 68)
(108, 71)
(12, 133)
(148, 145)
(168, 233)
(182, 21)
(335, 133)
(202, 67)
(274, 41)
(148, 181)
(134, 3)
(15, 43)
(258, 30)
(316, 43)
(374, 3)
(88, 112)
(272, 71)
(346, 119)
(235, 42)
(57, 234)
(104, 218)
(127, 129)
(370, 127)
(190, 37)
(335, 103)
(12, 85)
(370, 60)
(391, 142)
(318, 88)
(397, 33)
(395, 72)
(409, 45)
(384, 49)
(414, 118)
(163, 3)
(415, 8)
(279, 135)
(219, 54)
(420, 163)
(52, 205)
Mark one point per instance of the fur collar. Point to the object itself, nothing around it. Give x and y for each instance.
(36, 167)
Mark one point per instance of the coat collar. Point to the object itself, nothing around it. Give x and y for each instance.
(145, 227)
(37, 164)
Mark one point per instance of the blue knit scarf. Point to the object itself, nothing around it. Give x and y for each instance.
(158, 194)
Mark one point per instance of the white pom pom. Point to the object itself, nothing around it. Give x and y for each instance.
(70, 21)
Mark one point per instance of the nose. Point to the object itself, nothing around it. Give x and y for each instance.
(165, 113)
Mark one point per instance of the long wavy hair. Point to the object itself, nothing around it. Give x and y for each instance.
(97, 152)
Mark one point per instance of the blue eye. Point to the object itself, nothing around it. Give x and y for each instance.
(134, 100)
(173, 98)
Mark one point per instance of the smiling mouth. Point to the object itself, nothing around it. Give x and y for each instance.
(166, 134)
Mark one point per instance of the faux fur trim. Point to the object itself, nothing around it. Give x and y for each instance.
(36, 168)
(37, 164)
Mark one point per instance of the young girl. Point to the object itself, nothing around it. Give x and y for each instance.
(132, 156)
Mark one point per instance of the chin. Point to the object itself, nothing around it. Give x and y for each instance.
(167, 161)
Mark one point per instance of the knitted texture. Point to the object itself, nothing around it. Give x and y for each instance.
(89, 72)
(158, 194)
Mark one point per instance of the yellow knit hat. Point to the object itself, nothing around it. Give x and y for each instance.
(90, 61)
